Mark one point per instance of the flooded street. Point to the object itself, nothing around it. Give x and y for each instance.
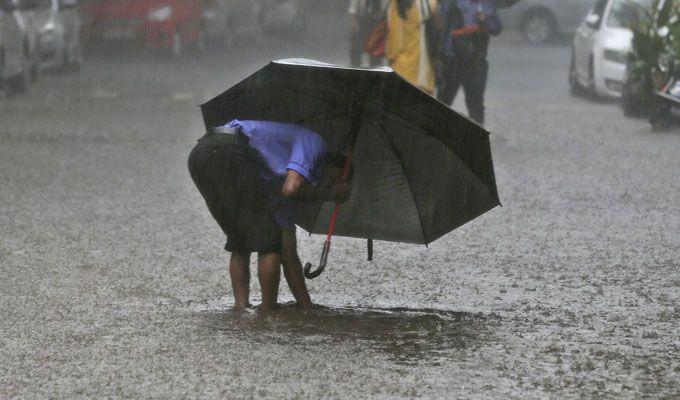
(114, 284)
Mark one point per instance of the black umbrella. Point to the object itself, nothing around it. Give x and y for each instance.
(506, 3)
(421, 169)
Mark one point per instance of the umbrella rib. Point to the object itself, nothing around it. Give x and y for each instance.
(330, 114)
(327, 115)
(414, 128)
(316, 96)
(408, 180)
(334, 112)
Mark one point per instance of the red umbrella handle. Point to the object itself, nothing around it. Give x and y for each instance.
(331, 227)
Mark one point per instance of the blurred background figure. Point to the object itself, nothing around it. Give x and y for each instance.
(284, 16)
(467, 26)
(227, 22)
(407, 52)
(364, 15)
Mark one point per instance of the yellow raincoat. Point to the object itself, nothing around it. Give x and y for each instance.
(406, 47)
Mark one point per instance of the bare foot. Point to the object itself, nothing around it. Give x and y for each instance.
(304, 305)
(268, 307)
(242, 307)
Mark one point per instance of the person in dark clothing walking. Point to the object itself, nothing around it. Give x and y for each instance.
(468, 25)
(364, 15)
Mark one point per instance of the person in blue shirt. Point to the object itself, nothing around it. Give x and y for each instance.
(252, 174)
(468, 25)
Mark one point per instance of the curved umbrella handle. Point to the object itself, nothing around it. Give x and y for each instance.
(309, 274)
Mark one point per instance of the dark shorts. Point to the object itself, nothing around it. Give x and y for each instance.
(226, 171)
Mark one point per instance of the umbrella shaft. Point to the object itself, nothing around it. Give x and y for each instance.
(345, 174)
(348, 162)
(331, 227)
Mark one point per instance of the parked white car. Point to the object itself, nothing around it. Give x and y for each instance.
(601, 45)
(59, 34)
(541, 20)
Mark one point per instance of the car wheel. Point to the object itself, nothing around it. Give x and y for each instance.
(199, 46)
(539, 27)
(661, 118)
(22, 81)
(631, 102)
(75, 59)
(63, 60)
(3, 86)
(36, 69)
(575, 87)
(591, 90)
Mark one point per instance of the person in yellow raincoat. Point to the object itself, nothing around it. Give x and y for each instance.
(406, 49)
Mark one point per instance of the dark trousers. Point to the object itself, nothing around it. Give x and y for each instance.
(357, 40)
(226, 172)
(469, 72)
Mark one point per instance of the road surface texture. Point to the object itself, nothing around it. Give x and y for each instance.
(113, 281)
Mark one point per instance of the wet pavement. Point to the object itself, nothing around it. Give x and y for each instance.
(113, 282)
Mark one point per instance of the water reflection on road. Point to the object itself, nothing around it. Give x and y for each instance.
(407, 336)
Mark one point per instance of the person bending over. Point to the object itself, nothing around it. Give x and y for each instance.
(252, 175)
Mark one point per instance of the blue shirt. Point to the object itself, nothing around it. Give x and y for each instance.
(468, 10)
(284, 147)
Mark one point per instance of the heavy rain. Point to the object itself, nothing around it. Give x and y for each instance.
(114, 279)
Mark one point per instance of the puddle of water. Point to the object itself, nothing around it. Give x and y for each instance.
(407, 335)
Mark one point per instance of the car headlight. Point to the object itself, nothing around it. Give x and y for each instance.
(665, 63)
(160, 14)
(48, 28)
(616, 56)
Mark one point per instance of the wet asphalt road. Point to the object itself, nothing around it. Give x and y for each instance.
(113, 282)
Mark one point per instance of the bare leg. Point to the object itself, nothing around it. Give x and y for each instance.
(269, 274)
(239, 271)
(292, 269)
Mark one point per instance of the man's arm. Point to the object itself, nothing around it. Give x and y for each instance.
(491, 22)
(297, 187)
(494, 25)
(292, 269)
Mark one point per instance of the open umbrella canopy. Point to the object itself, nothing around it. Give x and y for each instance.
(506, 3)
(421, 169)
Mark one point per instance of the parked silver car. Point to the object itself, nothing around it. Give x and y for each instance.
(18, 46)
(540, 21)
(283, 15)
(12, 57)
(225, 21)
(59, 34)
(25, 13)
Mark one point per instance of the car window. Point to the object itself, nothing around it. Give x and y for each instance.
(31, 4)
(628, 13)
(599, 7)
